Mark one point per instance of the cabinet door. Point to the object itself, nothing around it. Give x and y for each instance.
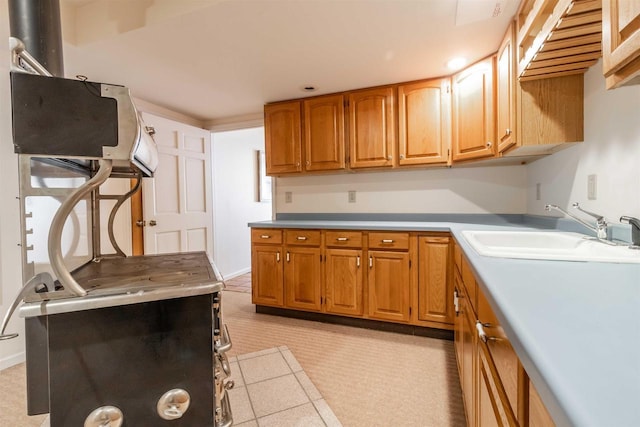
(302, 278)
(621, 42)
(538, 414)
(343, 281)
(388, 282)
(488, 410)
(473, 116)
(503, 356)
(371, 128)
(435, 301)
(266, 275)
(505, 92)
(282, 137)
(469, 348)
(324, 133)
(424, 122)
(459, 322)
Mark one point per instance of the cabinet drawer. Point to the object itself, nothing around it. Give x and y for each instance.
(302, 237)
(271, 236)
(343, 239)
(389, 240)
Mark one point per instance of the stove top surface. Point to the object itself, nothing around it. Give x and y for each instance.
(117, 281)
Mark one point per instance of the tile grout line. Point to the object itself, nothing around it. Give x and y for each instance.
(246, 390)
(303, 387)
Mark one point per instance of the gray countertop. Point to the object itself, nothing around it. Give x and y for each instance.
(574, 325)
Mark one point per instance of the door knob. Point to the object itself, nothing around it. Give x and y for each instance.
(141, 223)
(153, 223)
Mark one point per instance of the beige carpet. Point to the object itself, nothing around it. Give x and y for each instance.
(368, 378)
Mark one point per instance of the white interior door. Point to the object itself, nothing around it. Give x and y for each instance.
(177, 201)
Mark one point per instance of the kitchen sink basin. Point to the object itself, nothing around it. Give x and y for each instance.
(548, 245)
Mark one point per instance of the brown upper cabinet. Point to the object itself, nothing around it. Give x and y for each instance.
(324, 138)
(424, 122)
(282, 137)
(473, 112)
(505, 92)
(621, 42)
(372, 129)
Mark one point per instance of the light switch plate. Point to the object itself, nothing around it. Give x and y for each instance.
(288, 197)
(538, 192)
(352, 196)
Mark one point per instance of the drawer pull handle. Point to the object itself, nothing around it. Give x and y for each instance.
(301, 238)
(370, 262)
(386, 241)
(288, 258)
(277, 256)
(265, 236)
(358, 261)
(482, 334)
(342, 239)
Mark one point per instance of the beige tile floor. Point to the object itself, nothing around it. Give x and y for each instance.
(271, 389)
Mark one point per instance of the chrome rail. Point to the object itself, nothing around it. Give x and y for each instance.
(57, 225)
(31, 285)
(18, 52)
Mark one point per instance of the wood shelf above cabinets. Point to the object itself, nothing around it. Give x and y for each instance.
(557, 37)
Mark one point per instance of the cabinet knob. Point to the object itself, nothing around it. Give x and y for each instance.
(308, 162)
(489, 144)
(508, 131)
(402, 156)
(153, 223)
(389, 157)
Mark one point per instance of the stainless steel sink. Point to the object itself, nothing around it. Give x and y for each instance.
(548, 245)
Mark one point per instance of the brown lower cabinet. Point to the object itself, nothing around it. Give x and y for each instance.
(495, 387)
(401, 277)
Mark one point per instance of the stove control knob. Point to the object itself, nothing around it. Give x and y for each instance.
(104, 416)
(229, 384)
(173, 404)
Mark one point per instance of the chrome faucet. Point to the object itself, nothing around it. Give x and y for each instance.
(601, 224)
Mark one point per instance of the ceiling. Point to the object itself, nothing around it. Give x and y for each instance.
(219, 59)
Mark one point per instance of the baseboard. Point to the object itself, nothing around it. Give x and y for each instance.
(237, 273)
(14, 359)
(400, 328)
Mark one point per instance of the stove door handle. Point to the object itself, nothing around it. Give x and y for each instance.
(224, 344)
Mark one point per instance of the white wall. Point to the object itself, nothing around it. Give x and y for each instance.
(611, 150)
(234, 203)
(497, 189)
(11, 351)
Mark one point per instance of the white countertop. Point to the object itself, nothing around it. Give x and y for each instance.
(574, 325)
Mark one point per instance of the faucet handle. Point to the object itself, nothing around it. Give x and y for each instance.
(598, 217)
(635, 228)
